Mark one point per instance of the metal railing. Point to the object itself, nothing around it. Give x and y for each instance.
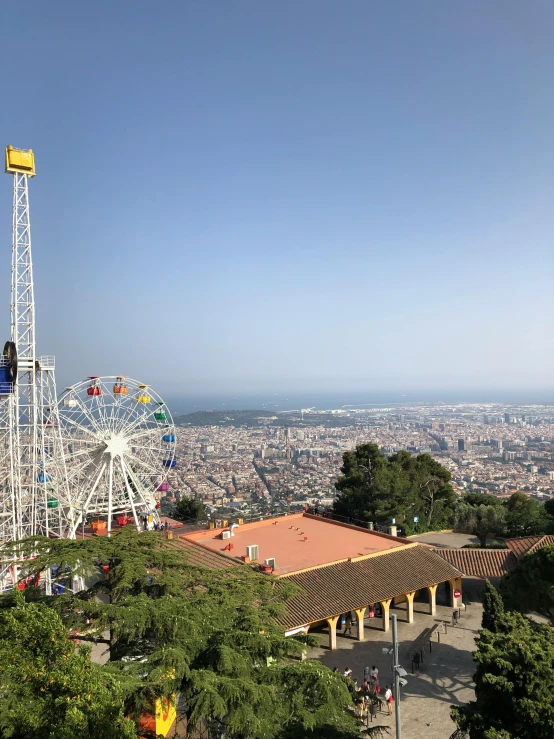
(47, 362)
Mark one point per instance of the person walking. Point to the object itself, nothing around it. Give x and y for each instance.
(389, 699)
(359, 704)
(375, 673)
(348, 625)
(347, 672)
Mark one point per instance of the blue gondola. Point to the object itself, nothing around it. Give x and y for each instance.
(43, 478)
(170, 463)
(169, 438)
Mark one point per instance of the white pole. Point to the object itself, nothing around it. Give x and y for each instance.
(396, 676)
(110, 497)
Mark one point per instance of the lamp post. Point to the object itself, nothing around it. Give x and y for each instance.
(396, 669)
(398, 674)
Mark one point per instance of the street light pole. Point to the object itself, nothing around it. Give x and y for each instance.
(396, 676)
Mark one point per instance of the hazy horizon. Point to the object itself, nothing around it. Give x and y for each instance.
(235, 197)
(184, 403)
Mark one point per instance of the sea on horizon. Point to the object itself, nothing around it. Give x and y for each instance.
(184, 404)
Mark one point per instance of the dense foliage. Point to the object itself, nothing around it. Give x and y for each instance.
(49, 689)
(480, 520)
(210, 635)
(377, 488)
(189, 509)
(526, 517)
(530, 586)
(485, 515)
(514, 682)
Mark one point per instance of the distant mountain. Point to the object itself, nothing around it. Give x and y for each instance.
(224, 418)
(266, 418)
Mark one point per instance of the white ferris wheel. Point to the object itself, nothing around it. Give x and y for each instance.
(119, 448)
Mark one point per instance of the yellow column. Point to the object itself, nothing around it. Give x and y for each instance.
(410, 608)
(332, 624)
(432, 590)
(385, 606)
(360, 613)
(455, 584)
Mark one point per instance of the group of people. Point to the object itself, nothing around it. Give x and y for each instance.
(151, 526)
(316, 512)
(364, 695)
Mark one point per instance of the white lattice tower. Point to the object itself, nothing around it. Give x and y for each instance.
(23, 336)
(38, 482)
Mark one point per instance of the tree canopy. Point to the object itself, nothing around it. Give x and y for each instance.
(209, 635)
(377, 488)
(485, 515)
(530, 585)
(50, 690)
(189, 509)
(481, 520)
(514, 681)
(476, 499)
(525, 516)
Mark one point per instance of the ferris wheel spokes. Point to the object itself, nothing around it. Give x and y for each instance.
(124, 448)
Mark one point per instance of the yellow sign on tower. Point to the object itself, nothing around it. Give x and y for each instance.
(19, 161)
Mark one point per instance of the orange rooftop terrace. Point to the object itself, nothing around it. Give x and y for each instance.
(297, 543)
(338, 568)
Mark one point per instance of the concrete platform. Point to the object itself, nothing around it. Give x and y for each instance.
(444, 679)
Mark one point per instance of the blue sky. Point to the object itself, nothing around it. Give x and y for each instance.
(243, 195)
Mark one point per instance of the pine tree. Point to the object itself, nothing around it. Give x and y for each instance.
(530, 585)
(210, 635)
(514, 682)
(377, 488)
(493, 607)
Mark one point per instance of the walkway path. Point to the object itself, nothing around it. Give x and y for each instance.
(445, 677)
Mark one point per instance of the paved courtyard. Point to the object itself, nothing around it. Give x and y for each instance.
(445, 678)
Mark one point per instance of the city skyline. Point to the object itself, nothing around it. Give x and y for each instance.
(258, 199)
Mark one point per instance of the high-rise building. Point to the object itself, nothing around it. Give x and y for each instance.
(461, 445)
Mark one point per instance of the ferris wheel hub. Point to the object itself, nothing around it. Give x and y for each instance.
(116, 445)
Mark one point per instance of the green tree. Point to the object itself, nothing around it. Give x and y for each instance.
(476, 499)
(363, 485)
(377, 488)
(189, 509)
(433, 492)
(530, 585)
(549, 508)
(210, 635)
(482, 521)
(526, 517)
(50, 689)
(493, 607)
(514, 682)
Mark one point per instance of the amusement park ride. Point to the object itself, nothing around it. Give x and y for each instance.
(103, 450)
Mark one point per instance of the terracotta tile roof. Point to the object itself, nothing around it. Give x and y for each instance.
(527, 544)
(200, 556)
(479, 562)
(334, 589)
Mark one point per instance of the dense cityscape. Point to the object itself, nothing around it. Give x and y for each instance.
(258, 462)
(276, 386)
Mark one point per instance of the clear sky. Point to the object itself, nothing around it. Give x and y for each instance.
(245, 195)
